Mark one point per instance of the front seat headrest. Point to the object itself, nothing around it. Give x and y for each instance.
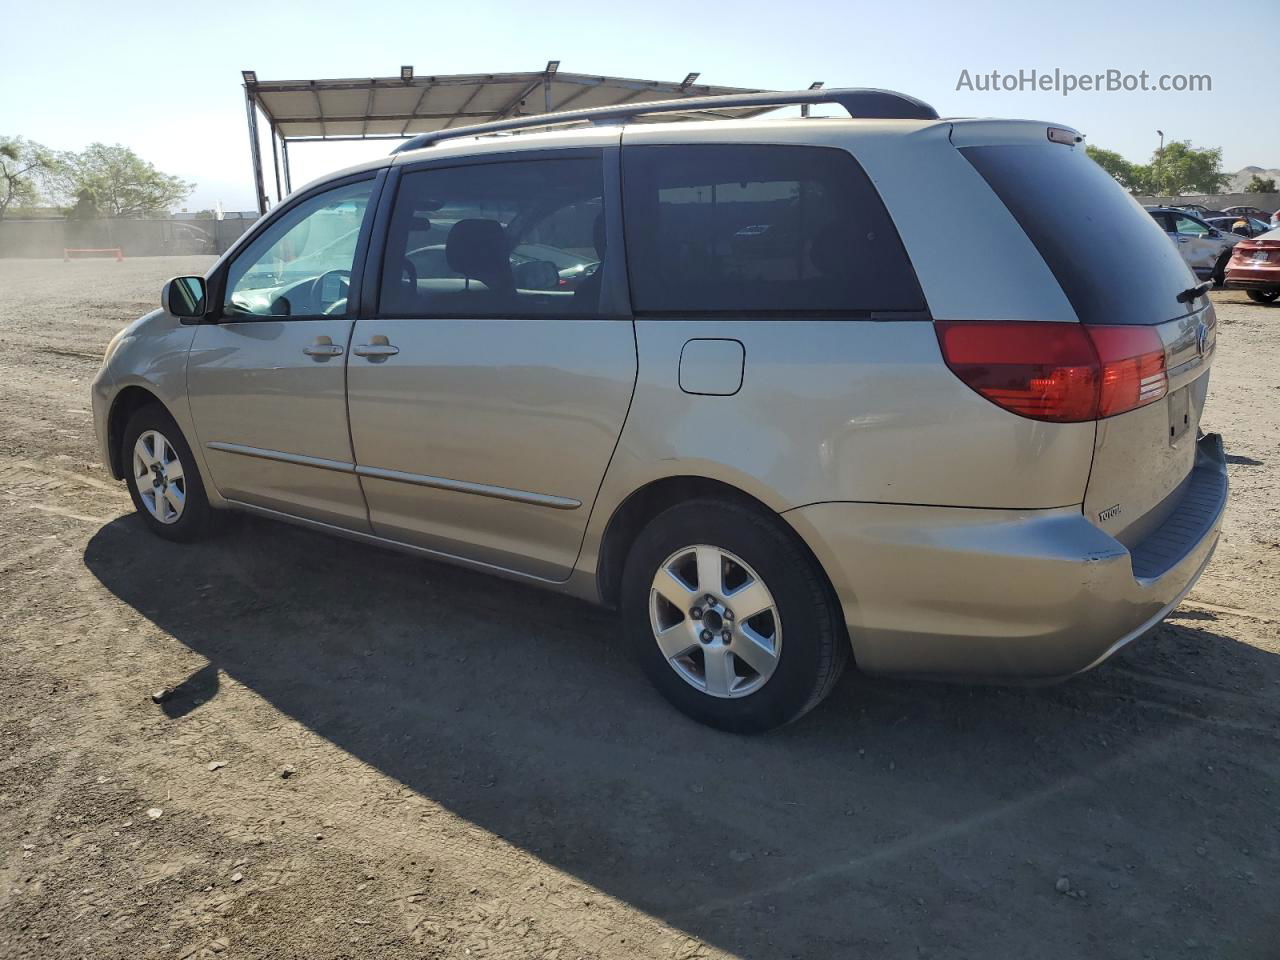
(477, 249)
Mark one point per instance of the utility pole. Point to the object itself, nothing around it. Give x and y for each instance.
(1160, 158)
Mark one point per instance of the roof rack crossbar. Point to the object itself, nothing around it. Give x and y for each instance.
(861, 103)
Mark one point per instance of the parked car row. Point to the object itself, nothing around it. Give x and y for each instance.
(1204, 213)
(1241, 225)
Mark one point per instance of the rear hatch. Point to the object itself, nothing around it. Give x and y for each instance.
(1126, 282)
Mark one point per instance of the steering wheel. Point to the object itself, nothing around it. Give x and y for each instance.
(317, 285)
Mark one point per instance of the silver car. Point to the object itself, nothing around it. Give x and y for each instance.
(835, 388)
(1204, 247)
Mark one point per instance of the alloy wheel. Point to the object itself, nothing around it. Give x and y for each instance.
(159, 476)
(715, 621)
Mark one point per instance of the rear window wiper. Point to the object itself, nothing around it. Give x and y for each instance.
(1199, 290)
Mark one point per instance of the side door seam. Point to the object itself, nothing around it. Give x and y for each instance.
(613, 204)
(385, 185)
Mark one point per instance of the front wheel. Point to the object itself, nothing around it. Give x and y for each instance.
(730, 617)
(162, 477)
(1263, 296)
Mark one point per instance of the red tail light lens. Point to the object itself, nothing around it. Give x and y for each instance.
(1133, 373)
(1061, 372)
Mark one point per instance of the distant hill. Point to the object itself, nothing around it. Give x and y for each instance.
(1241, 178)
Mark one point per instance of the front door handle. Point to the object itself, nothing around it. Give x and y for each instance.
(322, 348)
(377, 349)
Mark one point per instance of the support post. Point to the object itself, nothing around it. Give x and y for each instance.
(546, 94)
(275, 161)
(260, 190)
(284, 156)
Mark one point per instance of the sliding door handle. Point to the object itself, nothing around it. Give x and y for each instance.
(377, 349)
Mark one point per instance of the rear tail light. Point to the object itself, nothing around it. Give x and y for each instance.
(1133, 372)
(1061, 372)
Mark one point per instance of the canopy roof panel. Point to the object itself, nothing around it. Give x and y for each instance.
(401, 106)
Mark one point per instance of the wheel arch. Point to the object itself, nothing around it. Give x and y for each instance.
(646, 502)
(124, 405)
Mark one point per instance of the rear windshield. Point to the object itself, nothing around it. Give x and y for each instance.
(1114, 263)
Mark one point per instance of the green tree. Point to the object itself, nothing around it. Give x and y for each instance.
(1182, 168)
(1259, 185)
(85, 208)
(25, 169)
(116, 182)
(1131, 176)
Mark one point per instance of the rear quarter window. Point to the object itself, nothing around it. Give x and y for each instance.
(759, 229)
(1113, 261)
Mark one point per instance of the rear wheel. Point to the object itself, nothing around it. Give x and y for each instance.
(162, 477)
(1263, 296)
(730, 618)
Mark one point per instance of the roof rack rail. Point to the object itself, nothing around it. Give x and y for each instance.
(861, 103)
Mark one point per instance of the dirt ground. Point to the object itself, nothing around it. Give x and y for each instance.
(371, 755)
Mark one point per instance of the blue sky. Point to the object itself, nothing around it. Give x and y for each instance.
(166, 81)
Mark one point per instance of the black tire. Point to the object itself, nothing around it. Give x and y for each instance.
(813, 648)
(1263, 296)
(195, 519)
(1220, 270)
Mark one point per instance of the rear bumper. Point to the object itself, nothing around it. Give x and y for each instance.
(1008, 594)
(1250, 284)
(1254, 277)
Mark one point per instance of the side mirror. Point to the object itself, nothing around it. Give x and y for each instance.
(536, 275)
(184, 297)
(1213, 232)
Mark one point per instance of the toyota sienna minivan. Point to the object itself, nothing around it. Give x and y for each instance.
(821, 388)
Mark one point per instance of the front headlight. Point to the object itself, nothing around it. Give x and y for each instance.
(113, 344)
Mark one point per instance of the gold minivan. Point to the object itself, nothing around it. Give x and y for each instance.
(781, 391)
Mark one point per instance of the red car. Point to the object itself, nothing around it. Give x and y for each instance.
(1255, 267)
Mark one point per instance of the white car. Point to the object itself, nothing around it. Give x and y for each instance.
(1205, 249)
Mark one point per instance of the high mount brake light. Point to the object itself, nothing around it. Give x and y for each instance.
(1059, 372)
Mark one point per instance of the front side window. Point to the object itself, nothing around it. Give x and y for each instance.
(504, 239)
(1191, 228)
(726, 228)
(300, 266)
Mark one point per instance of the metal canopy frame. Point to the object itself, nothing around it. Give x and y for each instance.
(404, 106)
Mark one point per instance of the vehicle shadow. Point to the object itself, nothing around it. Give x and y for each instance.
(897, 819)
